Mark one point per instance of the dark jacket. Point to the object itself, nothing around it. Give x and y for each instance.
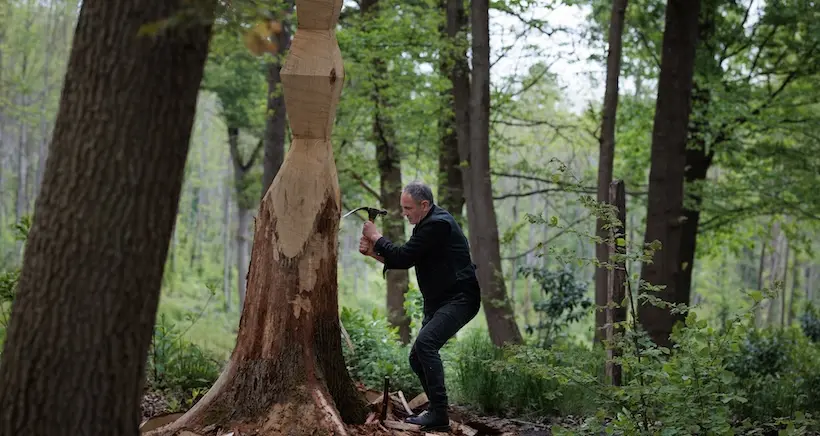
(441, 254)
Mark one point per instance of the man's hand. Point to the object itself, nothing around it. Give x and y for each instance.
(370, 232)
(366, 247)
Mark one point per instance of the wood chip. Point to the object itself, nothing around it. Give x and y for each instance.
(420, 400)
(396, 425)
(404, 403)
(468, 431)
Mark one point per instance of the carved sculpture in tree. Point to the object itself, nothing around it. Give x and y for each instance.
(287, 374)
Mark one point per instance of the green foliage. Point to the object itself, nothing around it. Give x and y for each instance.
(9, 279)
(176, 366)
(377, 353)
(565, 301)
(237, 78)
(522, 379)
(810, 323)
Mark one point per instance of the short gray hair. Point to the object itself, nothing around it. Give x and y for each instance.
(419, 192)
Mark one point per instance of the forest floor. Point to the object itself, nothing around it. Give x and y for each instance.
(157, 411)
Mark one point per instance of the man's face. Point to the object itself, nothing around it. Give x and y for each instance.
(414, 211)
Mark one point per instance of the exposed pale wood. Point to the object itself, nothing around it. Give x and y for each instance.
(396, 425)
(286, 374)
(158, 421)
(420, 400)
(404, 403)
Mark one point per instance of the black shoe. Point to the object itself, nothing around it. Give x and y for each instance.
(431, 420)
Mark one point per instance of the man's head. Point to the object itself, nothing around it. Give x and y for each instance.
(416, 201)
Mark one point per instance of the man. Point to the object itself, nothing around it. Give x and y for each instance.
(448, 284)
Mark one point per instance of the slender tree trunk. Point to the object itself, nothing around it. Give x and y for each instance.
(453, 66)
(785, 278)
(90, 283)
(286, 374)
(226, 246)
(244, 206)
(276, 124)
(760, 269)
(388, 157)
(669, 136)
(607, 155)
(483, 234)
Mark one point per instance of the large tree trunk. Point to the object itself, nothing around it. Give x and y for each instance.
(607, 156)
(277, 114)
(700, 153)
(388, 156)
(81, 324)
(480, 211)
(286, 374)
(665, 209)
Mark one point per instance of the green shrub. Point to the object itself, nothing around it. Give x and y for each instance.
(526, 379)
(177, 367)
(810, 323)
(377, 352)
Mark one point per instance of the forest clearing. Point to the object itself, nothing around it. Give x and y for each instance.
(245, 217)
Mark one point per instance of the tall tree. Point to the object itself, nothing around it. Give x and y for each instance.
(90, 283)
(480, 210)
(286, 374)
(276, 117)
(388, 157)
(669, 136)
(236, 77)
(454, 118)
(607, 154)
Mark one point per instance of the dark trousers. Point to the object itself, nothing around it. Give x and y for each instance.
(436, 329)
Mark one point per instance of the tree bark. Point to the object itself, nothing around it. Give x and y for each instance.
(87, 298)
(607, 155)
(276, 120)
(483, 224)
(286, 374)
(669, 136)
(453, 65)
(388, 157)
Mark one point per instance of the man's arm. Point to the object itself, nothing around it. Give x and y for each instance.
(405, 256)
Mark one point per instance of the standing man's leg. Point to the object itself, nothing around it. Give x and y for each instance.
(415, 363)
(442, 326)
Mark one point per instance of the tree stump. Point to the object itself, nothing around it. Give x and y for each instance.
(287, 374)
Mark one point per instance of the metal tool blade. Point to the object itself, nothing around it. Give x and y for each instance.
(354, 210)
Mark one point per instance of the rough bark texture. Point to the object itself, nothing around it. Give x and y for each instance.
(276, 122)
(287, 374)
(665, 210)
(700, 151)
(480, 210)
(388, 156)
(607, 154)
(454, 120)
(81, 324)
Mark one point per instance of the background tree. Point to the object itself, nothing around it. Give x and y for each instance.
(87, 297)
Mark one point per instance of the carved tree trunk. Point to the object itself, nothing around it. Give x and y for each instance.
(607, 155)
(286, 374)
(665, 210)
(82, 321)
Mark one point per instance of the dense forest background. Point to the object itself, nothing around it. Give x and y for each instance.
(732, 146)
